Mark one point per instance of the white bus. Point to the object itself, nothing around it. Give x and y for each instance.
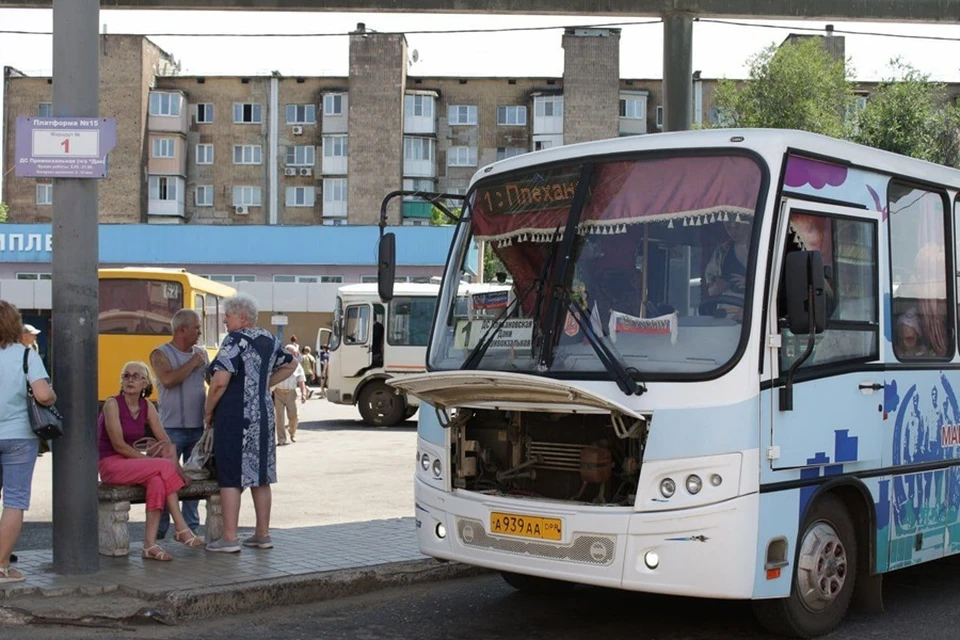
(371, 342)
(728, 370)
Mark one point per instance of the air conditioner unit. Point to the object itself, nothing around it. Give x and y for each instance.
(306, 171)
(297, 130)
(290, 171)
(242, 209)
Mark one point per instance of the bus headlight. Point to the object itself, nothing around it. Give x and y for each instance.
(668, 487)
(425, 461)
(437, 468)
(694, 484)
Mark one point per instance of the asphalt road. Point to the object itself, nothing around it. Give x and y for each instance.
(919, 606)
(339, 470)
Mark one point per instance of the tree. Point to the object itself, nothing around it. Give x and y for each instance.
(910, 115)
(798, 85)
(4, 210)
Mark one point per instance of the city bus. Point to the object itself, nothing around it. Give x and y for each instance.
(729, 370)
(136, 307)
(372, 341)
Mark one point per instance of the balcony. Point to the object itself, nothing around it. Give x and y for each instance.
(417, 211)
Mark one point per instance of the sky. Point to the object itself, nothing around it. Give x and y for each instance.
(720, 50)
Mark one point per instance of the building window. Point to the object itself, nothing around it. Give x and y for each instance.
(333, 104)
(331, 279)
(660, 117)
(301, 156)
(540, 145)
(417, 184)
(417, 148)
(335, 146)
(204, 154)
(549, 107)
(247, 154)
(33, 276)
(509, 152)
(301, 114)
(462, 114)
(462, 157)
(305, 279)
(246, 196)
(204, 195)
(419, 106)
(334, 190)
(45, 110)
(163, 188)
(301, 196)
(221, 277)
(247, 113)
(204, 113)
(632, 108)
(512, 116)
(164, 148)
(165, 104)
(44, 194)
(369, 279)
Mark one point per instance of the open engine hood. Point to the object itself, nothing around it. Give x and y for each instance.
(503, 390)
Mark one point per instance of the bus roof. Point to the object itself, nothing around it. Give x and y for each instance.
(160, 273)
(771, 143)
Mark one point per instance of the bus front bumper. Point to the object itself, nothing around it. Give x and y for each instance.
(706, 551)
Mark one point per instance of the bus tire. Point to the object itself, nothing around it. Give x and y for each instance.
(535, 584)
(380, 405)
(410, 412)
(824, 576)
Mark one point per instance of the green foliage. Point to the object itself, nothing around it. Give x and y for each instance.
(491, 264)
(439, 219)
(909, 114)
(4, 210)
(795, 86)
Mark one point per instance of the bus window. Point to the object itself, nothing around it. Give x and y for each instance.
(211, 328)
(355, 325)
(201, 310)
(410, 319)
(138, 307)
(849, 252)
(918, 267)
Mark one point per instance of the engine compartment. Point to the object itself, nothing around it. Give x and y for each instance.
(570, 457)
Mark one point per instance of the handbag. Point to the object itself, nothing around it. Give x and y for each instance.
(46, 422)
(198, 465)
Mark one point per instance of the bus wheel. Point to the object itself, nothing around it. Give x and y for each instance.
(410, 412)
(536, 584)
(380, 405)
(824, 576)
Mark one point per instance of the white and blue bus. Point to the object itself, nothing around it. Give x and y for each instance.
(727, 368)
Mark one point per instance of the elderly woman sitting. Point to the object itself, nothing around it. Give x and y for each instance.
(240, 410)
(122, 425)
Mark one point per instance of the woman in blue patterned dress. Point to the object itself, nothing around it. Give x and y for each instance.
(240, 410)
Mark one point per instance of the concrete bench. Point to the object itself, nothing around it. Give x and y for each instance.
(114, 512)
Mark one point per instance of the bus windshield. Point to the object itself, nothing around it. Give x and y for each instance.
(655, 277)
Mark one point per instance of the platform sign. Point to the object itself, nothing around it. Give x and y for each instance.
(63, 147)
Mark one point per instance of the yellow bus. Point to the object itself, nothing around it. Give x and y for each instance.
(136, 306)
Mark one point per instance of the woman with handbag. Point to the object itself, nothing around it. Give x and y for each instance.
(18, 443)
(127, 457)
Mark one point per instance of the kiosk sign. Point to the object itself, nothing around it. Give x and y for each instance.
(64, 147)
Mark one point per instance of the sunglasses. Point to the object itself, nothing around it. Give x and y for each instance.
(132, 375)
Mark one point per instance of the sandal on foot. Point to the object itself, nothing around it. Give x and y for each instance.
(8, 574)
(156, 552)
(188, 539)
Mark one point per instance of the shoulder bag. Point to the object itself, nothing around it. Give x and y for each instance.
(46, 422)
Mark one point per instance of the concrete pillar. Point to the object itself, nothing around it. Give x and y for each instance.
(591, 84)
(76, 92)
(677, 71)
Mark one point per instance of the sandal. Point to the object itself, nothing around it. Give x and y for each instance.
(156, 552)
(7, 577)
(192, 541)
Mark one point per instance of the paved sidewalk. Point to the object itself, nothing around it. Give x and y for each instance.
(306, 564)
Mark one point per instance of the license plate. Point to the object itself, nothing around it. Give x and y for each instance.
(524, 526)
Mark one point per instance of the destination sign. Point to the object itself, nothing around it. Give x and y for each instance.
(529, 195)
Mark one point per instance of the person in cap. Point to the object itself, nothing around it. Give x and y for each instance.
(29, 337)
(909, 342)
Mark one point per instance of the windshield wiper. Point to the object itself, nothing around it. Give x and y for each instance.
(476, 355)
(542, 280)
(610, 358)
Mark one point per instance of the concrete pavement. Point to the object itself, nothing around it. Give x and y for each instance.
(342, 525)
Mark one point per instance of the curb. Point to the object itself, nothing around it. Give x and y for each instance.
(175, 606)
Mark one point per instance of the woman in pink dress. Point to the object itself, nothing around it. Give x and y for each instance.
(122, 423)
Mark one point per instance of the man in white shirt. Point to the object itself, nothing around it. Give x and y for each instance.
(285, 399)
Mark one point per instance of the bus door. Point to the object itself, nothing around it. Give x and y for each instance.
(355, 350)
(836, 425)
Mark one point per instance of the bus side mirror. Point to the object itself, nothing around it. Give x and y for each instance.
(803, 270)
(387, 266)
